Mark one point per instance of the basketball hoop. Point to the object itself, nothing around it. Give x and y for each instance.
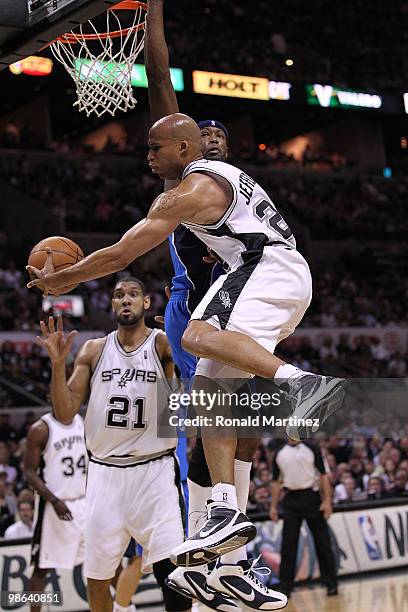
(101, 63)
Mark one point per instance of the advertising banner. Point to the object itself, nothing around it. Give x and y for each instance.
(232, 85)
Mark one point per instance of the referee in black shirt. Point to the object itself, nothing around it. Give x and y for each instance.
(299, 468)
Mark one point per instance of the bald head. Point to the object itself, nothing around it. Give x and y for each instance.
(174, 141)
(177, 127)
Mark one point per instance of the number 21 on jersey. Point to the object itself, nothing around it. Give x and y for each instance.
(120, 409)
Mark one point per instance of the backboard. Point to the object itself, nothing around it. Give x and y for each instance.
(26, 26)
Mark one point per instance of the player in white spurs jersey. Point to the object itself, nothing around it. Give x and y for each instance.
(133, 486)
(55, 464)
(243, 315)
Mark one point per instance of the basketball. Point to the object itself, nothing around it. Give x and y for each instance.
(65, 253)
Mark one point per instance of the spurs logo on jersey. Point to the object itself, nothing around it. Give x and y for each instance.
(65, 458)
(249, 224)
(129, 395)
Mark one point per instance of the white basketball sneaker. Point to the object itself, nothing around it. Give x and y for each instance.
(241, 582)
(193, 583)
(226, 529)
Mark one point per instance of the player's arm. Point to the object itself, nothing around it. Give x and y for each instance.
(167, 212)
(66, 397)
(36, 442)
(162, 97)
(165, 354)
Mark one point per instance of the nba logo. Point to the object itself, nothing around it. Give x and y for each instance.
(369, 536)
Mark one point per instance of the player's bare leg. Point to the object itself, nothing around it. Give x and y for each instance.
(310, 395)
(128, 582)
(99, 597)
(37, 584)
(230, 347)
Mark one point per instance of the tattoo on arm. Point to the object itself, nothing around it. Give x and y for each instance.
(164, 201)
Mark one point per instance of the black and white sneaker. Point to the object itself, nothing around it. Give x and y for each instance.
(193, 583)
(241, 582)
(226, 529)
(315, 398)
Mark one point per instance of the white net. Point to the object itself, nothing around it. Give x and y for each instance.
(101, 64)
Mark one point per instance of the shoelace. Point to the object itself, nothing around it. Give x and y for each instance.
(261, 571)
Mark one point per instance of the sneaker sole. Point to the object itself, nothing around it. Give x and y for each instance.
(206, 554)
(193, 595)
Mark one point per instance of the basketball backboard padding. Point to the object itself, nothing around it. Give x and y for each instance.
(42, 25)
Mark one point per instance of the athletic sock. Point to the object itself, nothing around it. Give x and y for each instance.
(242, 473)
(225, 493)
(118, 608)
(197, 497)
(287, 373)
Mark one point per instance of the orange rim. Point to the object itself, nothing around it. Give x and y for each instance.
(125, 5)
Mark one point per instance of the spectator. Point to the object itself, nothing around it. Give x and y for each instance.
(5, 467)
(24, 527)
(399, 489)
(375, 488)
(8, 506)
(7, 432)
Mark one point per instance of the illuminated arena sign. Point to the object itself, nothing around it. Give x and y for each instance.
(231, 85)
(33, 66)
(279, 90)
(405, 95)
(90, 69)
(330, 96)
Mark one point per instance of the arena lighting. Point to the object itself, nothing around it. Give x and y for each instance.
(33, 66)
(262, 147)
(406, 102)
(88, 69)
(231, 85)
(289, 62)
(330, 96)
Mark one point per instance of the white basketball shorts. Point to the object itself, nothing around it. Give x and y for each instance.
(57, 543)
(144, 502)
(264, 298)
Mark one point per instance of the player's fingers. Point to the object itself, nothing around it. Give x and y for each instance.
(44, 328)
(70, 339)
(209, 259)
(167, 291)
(159, 319)
(51, 325)
(60, 325)
(32, 270)
(49, 266)
(40, 341)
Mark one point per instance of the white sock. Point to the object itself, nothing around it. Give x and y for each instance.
(118, 608)
(286, 371)
(197, 497)
(242, 472)
(225, 493)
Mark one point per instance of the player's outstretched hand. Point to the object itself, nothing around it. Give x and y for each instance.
(54, 341)
(62, 510)
(159, 318)
(40, 278)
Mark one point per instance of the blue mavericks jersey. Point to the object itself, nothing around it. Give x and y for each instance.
(191, 273)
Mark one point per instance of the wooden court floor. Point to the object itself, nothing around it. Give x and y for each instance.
(385, 592)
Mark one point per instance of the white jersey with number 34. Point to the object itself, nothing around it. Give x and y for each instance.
(65, 458)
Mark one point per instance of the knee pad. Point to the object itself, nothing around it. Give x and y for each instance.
(173, 601)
